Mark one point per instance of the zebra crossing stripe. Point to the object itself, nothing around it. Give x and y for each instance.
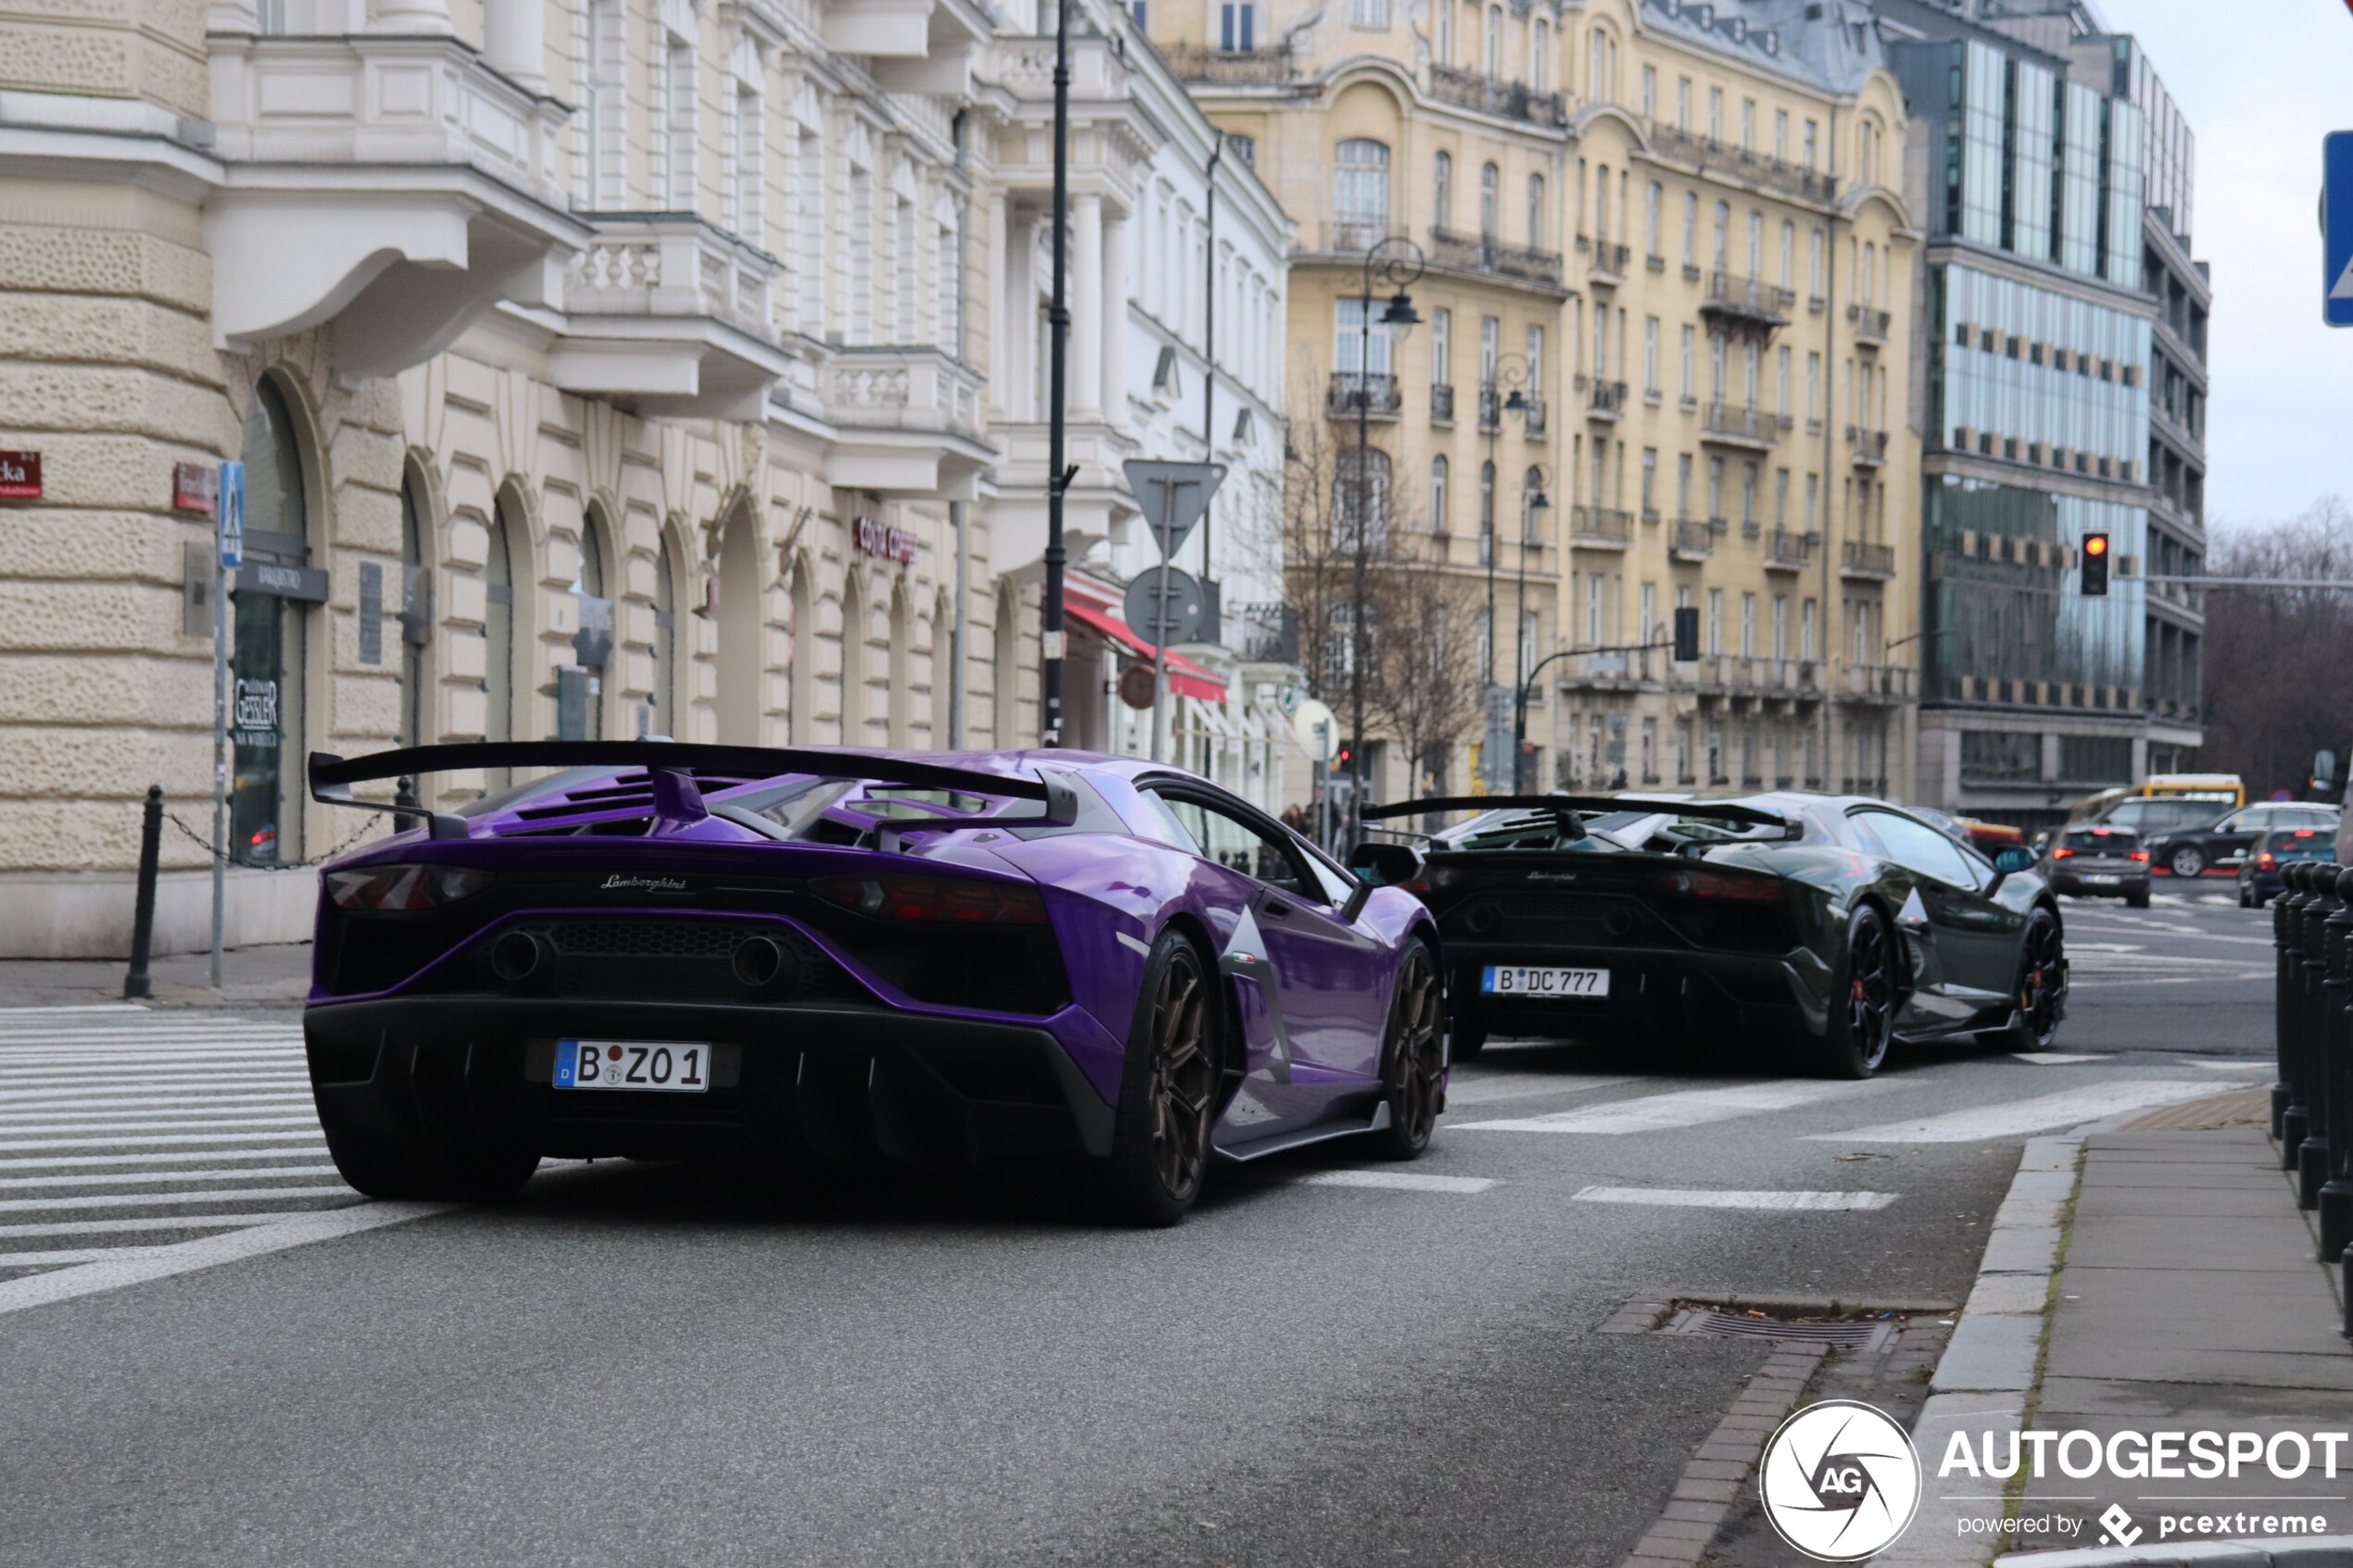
(2016, 1118)
(1682, 1108)
(1698, 1197)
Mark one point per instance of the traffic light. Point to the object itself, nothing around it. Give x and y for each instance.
(2094, 565)
(1687, 635)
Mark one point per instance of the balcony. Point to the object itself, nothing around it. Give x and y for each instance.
(1747, 302)
(1731, 426)
(1351, 237)
(1689, 146)
(907, 421)
(1610, 262)
(673, 314)
(1870, 326)
(397, 186)
(1788, 551)
(1532, 420)
(1442, 403)
(1351, 394)
(1273, 67)
(1505, 100)
(1491, 409)
(1870, 446)
(1600, 527)
(1880, 683)
(1607, 401)
(1857, 559)
(1692, 540)
(1485, 253)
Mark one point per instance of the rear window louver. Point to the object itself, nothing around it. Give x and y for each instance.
(631, 793)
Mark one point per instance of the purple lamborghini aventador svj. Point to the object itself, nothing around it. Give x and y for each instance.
(949, 961)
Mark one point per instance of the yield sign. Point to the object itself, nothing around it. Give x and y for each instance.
(2336, 228)
(1174, 496)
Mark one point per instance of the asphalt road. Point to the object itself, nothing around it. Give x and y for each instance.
(633, 1365)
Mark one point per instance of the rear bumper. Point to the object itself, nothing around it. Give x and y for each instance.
(828, 1082)
(2075, 883)
(1651, 991)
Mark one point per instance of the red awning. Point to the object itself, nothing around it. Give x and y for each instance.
(1185, 677)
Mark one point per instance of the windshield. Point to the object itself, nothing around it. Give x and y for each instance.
(2103, 841)
(2166, 816)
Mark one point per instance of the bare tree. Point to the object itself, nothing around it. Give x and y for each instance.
(2269, 653)
(1427, 687)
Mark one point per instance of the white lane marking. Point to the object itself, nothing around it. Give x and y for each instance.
(2062, 1109)
(278, 1149)
(163, 1199)
(1700, 1197)
(1403, 1181)
(1141, 946)
(1686, 1108)
(77, 1007)
(136, 1178)
(195, 1075)
(160, 1223)
(84, 1279)
(2054, 1058)
(20, 1145)
(32, 1108)
(1487, 1091)
(15, 1124)
(56, 1257)
(2152, 978)
(2241, 1065)
(116, 1055)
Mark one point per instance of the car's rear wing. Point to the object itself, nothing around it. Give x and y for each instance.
(672, 767)
(1577, 807)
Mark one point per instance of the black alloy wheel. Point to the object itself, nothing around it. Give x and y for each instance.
(1160, 1139)
(1413, 1057)
(2041, 992)
(1863, 1001)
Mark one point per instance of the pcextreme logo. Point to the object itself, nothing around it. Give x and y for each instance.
(1841, 1481)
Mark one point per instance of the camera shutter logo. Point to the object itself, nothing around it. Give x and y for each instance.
(1840, 1481)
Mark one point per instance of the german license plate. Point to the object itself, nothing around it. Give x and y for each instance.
(679, 1067)
(1516, 980)
(2097, 881)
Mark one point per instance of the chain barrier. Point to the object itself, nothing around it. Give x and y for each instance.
(212, 851)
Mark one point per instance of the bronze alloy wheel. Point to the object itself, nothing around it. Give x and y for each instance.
(1183, 1076)
(1413, 1062)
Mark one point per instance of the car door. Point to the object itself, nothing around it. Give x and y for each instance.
(1330, 977)
(1973, 938)
(2227, 841)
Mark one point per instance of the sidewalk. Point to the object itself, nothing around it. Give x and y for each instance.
(2155, 1278)
(277, 976)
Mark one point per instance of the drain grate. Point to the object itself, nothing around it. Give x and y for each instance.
(1846, 1334)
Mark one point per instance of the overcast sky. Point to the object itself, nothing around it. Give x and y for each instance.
(2262, 81)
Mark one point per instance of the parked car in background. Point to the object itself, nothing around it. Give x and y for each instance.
(2097, 861)
(2259, 875)
(2221, 846)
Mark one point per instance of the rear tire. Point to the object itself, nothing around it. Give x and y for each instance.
(2188, 861)
(1167, 1090)
(1865, 992)
(1413, 1058)
(394, 1166)
(2136, 900)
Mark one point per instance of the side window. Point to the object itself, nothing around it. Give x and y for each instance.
(2255, 819)
(1919, 847)
(1232, 842)
(1166, 826)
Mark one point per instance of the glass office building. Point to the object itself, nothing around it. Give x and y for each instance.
(2044, 137)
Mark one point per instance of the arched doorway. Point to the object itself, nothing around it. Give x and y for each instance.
(416, 611)
(853, 663)
(268, 644)
(499, 629)
(943, 675)
(901, 695)
(1004, 678)
(801, 726)
(662, 712)
(741, 610)
(592, 644)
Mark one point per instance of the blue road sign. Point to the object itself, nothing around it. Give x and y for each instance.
(2336, 228)
(233, 516)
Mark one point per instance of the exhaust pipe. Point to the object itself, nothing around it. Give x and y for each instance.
(757, 961)
(516, 957)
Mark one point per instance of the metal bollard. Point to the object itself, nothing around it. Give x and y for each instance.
(2312, 1154)
(2296, 1119)
(2282, 1090)
(136, 986)
(2334, 1198)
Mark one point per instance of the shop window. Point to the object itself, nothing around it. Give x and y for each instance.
(268, 642)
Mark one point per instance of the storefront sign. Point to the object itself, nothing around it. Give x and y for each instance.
(308, 582)
(875, 538)
(255, 715)
(19, 476)
(193, 487)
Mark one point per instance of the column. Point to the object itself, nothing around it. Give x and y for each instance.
(1003, 324)
(1116, 320)
(515, 41)
(413, 16)
(1085, 360)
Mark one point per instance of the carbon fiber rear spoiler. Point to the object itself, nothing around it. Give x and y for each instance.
(1581, 806)
(672, 767)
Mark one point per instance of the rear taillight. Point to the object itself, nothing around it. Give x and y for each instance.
(2061, 854)
(952, 900)
(1718, 885)
(403, 886)
(2138, 855)
(2303, 832)
(2267, 861)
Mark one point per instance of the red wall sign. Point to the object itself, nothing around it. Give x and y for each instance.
(875, 538)
(19, 476)
(194, 488)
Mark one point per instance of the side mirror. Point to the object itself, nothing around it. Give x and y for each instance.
(2013, 859)
(1383, 864)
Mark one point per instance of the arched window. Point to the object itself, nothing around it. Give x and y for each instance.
(662, 714)
(1438, 481)
(499, 630)
(1360, 192)
(1490, 182)
(1531, 485)
(1442, 190)
(416, 617)
(592, 644)
(268, 647)
(1486, 513)
(1535, 212)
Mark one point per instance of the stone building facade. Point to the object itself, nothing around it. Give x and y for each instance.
(600, 367)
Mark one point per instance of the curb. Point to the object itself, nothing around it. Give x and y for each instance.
(2275, 1551)
(1989, 1364)
(1712, 1484)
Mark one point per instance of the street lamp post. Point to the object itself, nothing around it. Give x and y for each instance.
(1535, 503)
(1394, 262)
(1509, 370)
(1052, 644)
